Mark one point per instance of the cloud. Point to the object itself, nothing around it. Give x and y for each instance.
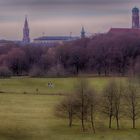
(24, 2)
(63, 16)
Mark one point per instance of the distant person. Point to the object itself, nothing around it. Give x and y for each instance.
(50, 85)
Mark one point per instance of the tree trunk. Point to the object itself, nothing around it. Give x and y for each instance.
(70, 117)
(117, 120)
(110, 117)
(110, 121)
(105, 72)
(70, 120)
(133, 106)
(134, 123)
(92, 121)
(83, 126)
(82, 113)
(77, 70)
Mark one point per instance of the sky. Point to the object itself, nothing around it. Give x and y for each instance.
(60, 17)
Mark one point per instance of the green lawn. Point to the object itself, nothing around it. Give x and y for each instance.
(61, 85)
(31, 117)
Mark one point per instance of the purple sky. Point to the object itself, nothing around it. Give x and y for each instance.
(60, 17)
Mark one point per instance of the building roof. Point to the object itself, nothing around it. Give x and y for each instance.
(124, 31)
(61, 38)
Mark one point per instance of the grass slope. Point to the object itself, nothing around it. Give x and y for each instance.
(61, 85)
(31, 117)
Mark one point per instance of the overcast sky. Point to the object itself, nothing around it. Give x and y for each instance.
(60, 17)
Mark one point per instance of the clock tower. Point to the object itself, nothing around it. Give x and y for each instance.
(135, 18)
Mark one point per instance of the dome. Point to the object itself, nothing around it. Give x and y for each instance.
(135, 10)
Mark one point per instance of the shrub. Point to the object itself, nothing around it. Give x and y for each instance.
(57, 70)
(137, 68)
(5, 72)
(36, 72)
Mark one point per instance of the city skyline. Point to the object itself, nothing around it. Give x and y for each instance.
(60, 17)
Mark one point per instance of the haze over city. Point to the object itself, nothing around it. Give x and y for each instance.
(69, 69)
(60, 17)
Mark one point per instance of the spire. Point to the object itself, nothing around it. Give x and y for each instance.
(26, 22)
(135, 18)
(83, 32)
(26, 31)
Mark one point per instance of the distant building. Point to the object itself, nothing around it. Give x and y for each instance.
(53, 40)
(121, 31)
(135, 25)
(6, 42)
(26, 32)
(135, 18)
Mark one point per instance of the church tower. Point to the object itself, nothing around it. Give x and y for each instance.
(135, 18)
(26, 32)
(83, 33)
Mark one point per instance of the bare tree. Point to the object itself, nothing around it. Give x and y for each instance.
(86, 100)
(108, 101)
(81, 95)
(132, 104)
(93, 101)
(80, 105)
(66, 108)
(118, 92)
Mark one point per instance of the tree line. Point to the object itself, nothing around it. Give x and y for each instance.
(102, 54)
(116, 102)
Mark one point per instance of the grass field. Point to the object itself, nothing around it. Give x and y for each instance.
(61, 85)
(31, 117)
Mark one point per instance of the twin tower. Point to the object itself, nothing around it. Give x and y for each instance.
(135, 18)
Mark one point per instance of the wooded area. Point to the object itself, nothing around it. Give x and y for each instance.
(103, 54)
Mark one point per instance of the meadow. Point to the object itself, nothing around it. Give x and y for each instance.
(27, 111)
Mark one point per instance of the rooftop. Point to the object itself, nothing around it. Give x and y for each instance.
(124, 31)
(62, 38)
(135, 10)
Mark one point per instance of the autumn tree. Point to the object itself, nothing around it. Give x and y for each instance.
(17, 61)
